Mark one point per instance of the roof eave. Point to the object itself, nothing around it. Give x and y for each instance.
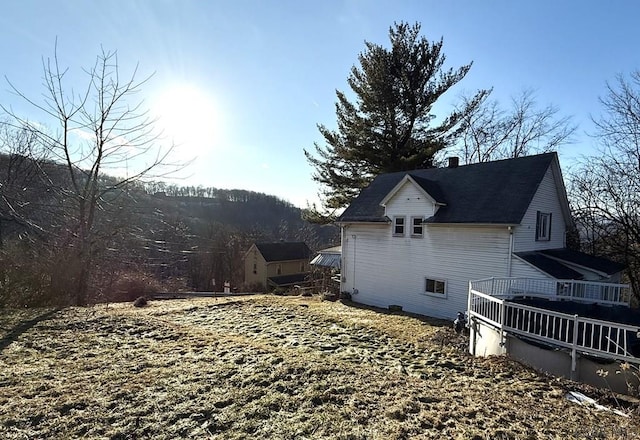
(471, 224)
(357, 222)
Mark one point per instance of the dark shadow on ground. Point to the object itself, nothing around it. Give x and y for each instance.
(436, 322)
(19, 329)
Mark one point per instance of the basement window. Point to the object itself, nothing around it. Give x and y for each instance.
(543, 226)
(398, 226)
(435, 287)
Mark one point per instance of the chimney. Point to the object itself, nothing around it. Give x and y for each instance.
(454, 162)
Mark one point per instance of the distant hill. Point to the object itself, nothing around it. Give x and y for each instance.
(168, 231)
(265, 216)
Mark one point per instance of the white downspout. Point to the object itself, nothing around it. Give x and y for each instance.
(343, 261)
(510, 256)
(355, 291)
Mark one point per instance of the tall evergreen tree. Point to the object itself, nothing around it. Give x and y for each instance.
(389, 126)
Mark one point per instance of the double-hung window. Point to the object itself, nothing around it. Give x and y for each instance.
(416, 226)
(543, 226)
(398, 226)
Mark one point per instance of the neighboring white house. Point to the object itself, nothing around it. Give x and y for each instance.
(415, 239)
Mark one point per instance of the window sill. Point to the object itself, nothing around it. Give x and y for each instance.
(434, 295)
(416, 236)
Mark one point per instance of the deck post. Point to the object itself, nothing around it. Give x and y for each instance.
(501, 318)
(574, 349)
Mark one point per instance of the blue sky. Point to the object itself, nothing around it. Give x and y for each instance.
(242, 84)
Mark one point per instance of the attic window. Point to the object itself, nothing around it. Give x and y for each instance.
(543, 226)
(398, 226)
(416, 226)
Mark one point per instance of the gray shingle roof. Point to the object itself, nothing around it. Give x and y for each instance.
(284, 251)
(552, 261)
(493, 192)
(585, 260)
(550, 266)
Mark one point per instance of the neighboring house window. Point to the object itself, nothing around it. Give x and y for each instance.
(398, 226)
(416, 226)
(279, 269)
(255, 268)
(302, 267)
(435, 287)
(543, 226)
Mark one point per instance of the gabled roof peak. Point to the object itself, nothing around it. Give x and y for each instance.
(429, 189)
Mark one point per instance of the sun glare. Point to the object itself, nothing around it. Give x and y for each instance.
(187, 116)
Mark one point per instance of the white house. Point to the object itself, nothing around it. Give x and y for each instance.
(415, 239)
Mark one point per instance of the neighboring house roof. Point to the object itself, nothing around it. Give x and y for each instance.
(288, 280)
(284, 251)
(585, 260)
(328, 257)
(490, 193)
(550, 266)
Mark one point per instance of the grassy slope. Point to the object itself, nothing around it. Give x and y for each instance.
(269, 367)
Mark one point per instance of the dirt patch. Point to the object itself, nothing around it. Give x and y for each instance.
(266, 367)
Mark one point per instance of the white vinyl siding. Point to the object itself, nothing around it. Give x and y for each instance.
(387, 270)
(409, 201)
(545, 200)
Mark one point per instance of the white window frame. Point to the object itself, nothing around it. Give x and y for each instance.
(403, 225)
(543, 226)
(413, 227)
(436, 281)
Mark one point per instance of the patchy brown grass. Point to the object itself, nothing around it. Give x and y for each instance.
(267, 367)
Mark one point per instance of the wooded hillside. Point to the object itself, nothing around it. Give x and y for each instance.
(155, 236)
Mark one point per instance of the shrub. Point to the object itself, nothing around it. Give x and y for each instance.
(130, 286)
(140, 302)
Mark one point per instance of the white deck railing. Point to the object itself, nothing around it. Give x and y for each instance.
(600, 338)
(574, 290)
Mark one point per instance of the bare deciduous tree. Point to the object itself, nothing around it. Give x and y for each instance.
(491, 132)
(98, 131)
(21, 171)
(605, 189)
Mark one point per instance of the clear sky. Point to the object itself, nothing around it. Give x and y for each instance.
(241, 84)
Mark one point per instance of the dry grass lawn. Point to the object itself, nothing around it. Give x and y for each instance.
(272, 367)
